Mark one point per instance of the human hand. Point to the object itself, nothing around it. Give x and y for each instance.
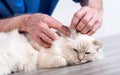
(87, 20)
(39, 27)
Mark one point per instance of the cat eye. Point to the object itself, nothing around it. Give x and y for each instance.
(87, 52)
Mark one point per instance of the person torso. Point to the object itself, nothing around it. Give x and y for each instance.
(10, 8)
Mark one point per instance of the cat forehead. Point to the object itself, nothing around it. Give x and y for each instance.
(84, 42)
(84, 39)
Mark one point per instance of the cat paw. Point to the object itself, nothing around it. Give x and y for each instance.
(52, 62)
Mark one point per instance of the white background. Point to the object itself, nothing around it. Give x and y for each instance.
(111, 19)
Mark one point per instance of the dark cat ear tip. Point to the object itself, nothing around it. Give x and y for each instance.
(97, 43)
(58, 33)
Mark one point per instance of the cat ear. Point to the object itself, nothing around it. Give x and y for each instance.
(97, 44)
(74, 33)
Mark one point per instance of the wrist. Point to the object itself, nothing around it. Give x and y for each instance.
(97, 5)
(23, 25)
(99, 10)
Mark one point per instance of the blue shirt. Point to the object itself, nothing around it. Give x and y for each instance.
(10, 8)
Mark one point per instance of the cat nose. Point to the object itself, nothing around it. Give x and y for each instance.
(81, 58)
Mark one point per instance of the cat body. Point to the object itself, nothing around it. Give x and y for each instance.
(16, 54)
(21, 53)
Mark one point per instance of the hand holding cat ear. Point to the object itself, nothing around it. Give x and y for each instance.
(39, 27)
(87, 20)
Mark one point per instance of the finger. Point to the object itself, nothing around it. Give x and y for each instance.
(52, 23)
(45, 37)
(94, 29)
(42, 43)
(48, 32)
(85, 20)
(51, 34)
(77, 17)
(89, 26)
(66, 30)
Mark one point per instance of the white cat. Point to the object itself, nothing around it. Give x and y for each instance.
(21, 53)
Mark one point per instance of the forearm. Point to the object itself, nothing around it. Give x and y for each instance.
(9, 24)
(96, 4)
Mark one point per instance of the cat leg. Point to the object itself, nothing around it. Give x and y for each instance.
(32, 61)
(30, 67)
(51, 61)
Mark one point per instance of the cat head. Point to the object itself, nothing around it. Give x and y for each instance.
(82, 48)
(87, 48)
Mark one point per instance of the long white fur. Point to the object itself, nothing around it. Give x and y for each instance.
(17, 53)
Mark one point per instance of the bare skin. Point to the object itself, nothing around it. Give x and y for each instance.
(88, 19)
(37, 25)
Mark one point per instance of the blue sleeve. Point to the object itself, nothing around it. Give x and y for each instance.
(76, 0)
(16, 6)
(52, 6)
(4, 10)
(10, 8)
(47, 6)
(32, 6)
